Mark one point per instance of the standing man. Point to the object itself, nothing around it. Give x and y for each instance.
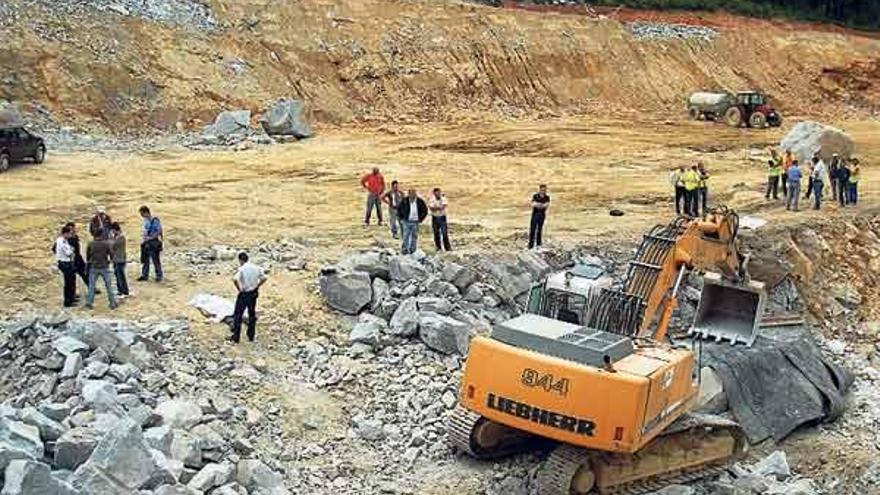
(540, 203)
(248, 280)
(79, 263)
(854, 176)
(99, 254)
(675, 179)
(151, 245)
(794, 186)
(437, 204)
(787, 160)
(773, 179)
(842, 183)
(703, 189)
(691, 180)
(412, 211)
(117, 238)
(101, 221)
(374, 183)
(64, 256)
(393, 198)
(818, 175)
(833, 169)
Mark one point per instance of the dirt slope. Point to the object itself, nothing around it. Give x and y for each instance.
(411, 60)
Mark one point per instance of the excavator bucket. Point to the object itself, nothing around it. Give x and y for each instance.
(729, 311)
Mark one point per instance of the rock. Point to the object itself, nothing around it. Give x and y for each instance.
(176, 490)
(798, 487)
(55, 410)
(368, 330)
(166, 472)
(513, 279)
(95, 370)
(846, 295)
(230, 489)
(73, 363)
(74, 447)
(675, 490)
(208, 437)
(406, 267)
(101, 395)
(440, 288)
(405, 321)
(380, 292)
(836, 346)
(773, 466)
(123, 372)
(534, 264)
(237, 122)
(474, 294)
(444, 334)
(434, 305)
(807, 138)
(286, 118)
(120, 463)
(212, 476)
(19, 438)
(460, 276)
(49, 429)
(186, 449)
(368, 429)
(159, 438)
(68, 345)
(24, 477)
(101, 337)
(258, 479)
(374, 263)
(346, 292)
(179, 413)
(711, 398)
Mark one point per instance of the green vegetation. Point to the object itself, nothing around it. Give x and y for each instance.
(864, 14)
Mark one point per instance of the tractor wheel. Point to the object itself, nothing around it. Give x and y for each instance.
(4, 162)
(733, 117)
(694, 112)
(758, 120)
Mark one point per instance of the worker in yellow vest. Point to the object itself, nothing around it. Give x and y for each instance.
(691, 180)
(853, 189)
(774, 171)
(703, 189)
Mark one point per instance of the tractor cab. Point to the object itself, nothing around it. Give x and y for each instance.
(751, 101)
(566, 295)
(753, 109)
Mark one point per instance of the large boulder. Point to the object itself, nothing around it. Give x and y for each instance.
(368, 330)
(212, 476)
(380, 291)
(460, 276)
(807, 138)
(405, 321)
(120, 463)
(374, 263)
(18, 441)
(258, 479)
(286, 118)
(49, 428)
(229, 123)
(444, 334)
(74, 447)
(23, 477)
(179, 413)
(406, 267)
(348, 292)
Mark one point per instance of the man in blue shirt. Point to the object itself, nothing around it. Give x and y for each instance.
(151, 245)
(794, 186)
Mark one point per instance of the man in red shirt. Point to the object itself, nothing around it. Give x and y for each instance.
(374, 183)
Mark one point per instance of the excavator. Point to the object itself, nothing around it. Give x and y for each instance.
(589, 369)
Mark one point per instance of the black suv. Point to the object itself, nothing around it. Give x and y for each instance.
(17, 144)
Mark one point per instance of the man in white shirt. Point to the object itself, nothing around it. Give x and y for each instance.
(675, 179)
(248, 280)
(437, 205)
(64, 255)
(411, 211)
(818, 175)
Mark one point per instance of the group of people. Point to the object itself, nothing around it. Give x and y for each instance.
(691, 189)
(105, 252)
(842, 175)
(407, 212)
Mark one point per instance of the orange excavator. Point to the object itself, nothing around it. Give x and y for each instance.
(590, 368)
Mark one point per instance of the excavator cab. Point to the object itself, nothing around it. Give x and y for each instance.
(565, 295)
(728, 310)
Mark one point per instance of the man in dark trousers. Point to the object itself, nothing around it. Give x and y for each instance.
(79, 263)
(675, 179)
(540, 203)
(773, 173)
(248, 280)
(99, 254)
(842, 183)
(101, 221)
(412, 211)
(119, 259)
(437, 205)
(393, 198)
(151, 245)
(64, 256)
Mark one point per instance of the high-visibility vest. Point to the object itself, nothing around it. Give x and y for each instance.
(703, 179)
(854, 175)
(691, 180)
(775, 171)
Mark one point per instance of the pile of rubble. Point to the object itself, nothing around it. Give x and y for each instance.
(283, 121)
(191, 14)
(219, 259)
(661, 31)
(96, 407)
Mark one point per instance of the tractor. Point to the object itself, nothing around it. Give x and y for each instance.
(746, 107)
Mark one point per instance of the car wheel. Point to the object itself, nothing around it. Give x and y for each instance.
(40, 155)
(4, 162)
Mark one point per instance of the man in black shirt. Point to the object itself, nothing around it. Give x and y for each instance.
(540, 202)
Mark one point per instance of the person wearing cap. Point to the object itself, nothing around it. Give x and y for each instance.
(100, 222)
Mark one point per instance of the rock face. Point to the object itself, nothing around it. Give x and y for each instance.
(286, 118)
(807, 138)
(347, 292)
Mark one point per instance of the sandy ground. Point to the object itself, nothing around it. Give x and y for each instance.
(310, 191)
